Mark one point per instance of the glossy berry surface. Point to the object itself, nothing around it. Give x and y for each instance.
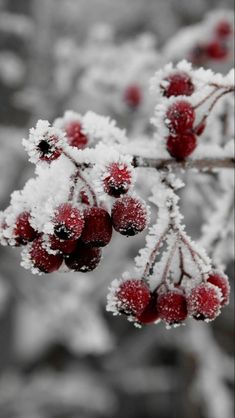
(132, 297)
(75, 136)
(84, 259)
(23, 231)
(46, 263)
(223, 284)
(150, 313)
(65, 247)
(172, 307)
(204, 302)
(97, 231)
(177, 84)
(133, 96)
(117, 180)
(68, 222)
(181, 146)
(129, 215)
(180, 117)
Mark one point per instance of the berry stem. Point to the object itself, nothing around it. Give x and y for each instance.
(182, 268)
(204, 118)
(169, 260)
(153, 255)
(202, 164)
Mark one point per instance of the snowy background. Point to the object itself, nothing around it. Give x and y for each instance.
(61, 354)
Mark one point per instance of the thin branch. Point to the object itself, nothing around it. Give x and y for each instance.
(202, 164)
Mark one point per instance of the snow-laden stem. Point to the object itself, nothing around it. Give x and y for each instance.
(153, 255)
(201, 164)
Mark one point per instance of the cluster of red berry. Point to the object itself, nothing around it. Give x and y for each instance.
(217, 48)
(81, 226)
(180, 116)
(134, 299)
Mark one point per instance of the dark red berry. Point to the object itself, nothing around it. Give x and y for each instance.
(84, 258)
(66, 247)
(177, 84)
(129, 215)
(47, 263)
(172, 307)
(181, 146)
(223, 29)
(198, 54)
(133, 96)
(198, 130)
(132, 297)
(76, 138)
(97, 231)
(217, 51)
(23, 231)
(117, 180)
(180, 117)
(150, 313)
(204, 302)
(222, 283)
(68, 222)
(48, 149)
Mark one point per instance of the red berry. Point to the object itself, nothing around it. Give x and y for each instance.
(204, 302)
(48, 150)
(129, 215)
(84, 258)
(180, 117)
(222, 283)
(23, 231)
(133, 96)
(181, 146)
(66, 247)
(97, 231)
(216, 50)
(198, 130)
(68, 222)
(117, 180)
(150, 313)
(132, 297)
(172, 307)
(47, 263)
(223, 29)
(75, 136)
(178, 84)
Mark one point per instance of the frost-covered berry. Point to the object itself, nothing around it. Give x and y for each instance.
(216, 50)
(46, 263)
(76, 138)
(180, 117)
(68, 222)
(132, 297)
(117, 179)
(172, 307)
(178, 83)
(23, 231)
(181, 146)
(223, 29)
(83, 197)
(133, 96)
(48, 149)
(221, 281)
(150, 313)
(129, 215)
(204, 302)
(65, 247)
(84, 258)
(97, 231)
